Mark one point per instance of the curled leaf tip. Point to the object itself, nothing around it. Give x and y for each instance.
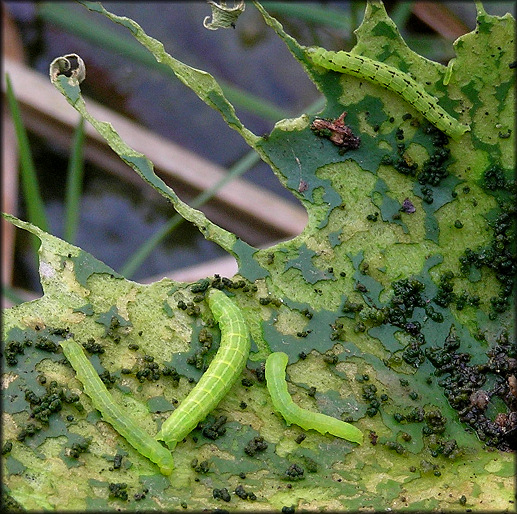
(71, 66)
(223, 17)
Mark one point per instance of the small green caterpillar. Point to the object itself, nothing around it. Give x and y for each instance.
(222, 373)
(113, 413)
(292, 413)
(392, 79)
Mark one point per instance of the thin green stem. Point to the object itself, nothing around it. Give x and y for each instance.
(74, 184)
(29, 180)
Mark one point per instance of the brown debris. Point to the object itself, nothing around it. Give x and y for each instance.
(336, 130)
(512, 383)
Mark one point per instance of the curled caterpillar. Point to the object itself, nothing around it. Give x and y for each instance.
(292, 413)
(392, 79)
(113, 413)
(222, 373)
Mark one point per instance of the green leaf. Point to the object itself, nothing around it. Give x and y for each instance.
(394, 304)
(141, 164)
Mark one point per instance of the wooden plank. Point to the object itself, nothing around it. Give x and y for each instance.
(12, 47)
(440, 18)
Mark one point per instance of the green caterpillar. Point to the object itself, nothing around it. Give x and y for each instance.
(222, 373)
(392, 79)
(113, 413)
(292, 413)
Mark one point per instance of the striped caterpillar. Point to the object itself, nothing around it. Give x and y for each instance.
(392, 79)
(113, 413)
(292, 413)
(222, 373)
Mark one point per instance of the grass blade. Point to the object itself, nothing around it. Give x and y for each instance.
(33, 201)
(311, 13)
(238, 169)
(401, 13)
(10, 294)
